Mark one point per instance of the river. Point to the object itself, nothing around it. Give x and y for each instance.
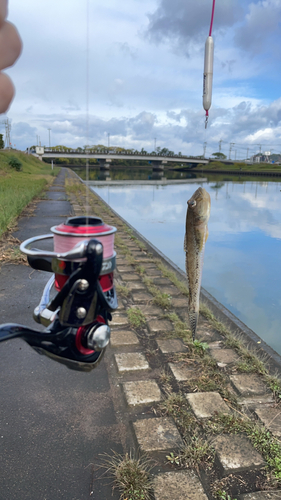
(242, 265)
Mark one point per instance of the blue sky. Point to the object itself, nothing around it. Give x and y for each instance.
(145, 74)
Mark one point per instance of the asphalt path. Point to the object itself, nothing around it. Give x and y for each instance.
(54, 422)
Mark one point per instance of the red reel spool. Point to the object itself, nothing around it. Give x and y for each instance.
(76, 230)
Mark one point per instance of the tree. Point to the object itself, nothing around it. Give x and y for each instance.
(219, 156)
(2, 144)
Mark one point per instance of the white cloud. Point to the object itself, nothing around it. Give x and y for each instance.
(139, 90)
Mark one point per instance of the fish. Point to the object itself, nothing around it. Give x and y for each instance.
(196, 234)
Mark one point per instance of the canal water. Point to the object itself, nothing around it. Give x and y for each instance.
(242, 265)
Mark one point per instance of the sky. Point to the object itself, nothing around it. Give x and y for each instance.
(140, 82)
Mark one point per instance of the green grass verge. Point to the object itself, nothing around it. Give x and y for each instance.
(19, 187)
(256, 167)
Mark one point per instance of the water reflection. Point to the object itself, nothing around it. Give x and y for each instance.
(242, 260)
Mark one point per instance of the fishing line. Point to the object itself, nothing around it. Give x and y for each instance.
(87, 102)
(212, 18)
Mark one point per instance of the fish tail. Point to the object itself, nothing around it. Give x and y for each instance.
(193, 320)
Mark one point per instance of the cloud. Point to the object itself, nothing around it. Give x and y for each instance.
(128, 50)
(187, 22)
(261, 23)
(246, 124)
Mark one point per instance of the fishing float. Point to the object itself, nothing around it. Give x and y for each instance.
(208, 69)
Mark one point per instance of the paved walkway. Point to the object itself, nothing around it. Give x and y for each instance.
(155, 390)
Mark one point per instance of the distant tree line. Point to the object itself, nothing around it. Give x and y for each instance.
(100, 148)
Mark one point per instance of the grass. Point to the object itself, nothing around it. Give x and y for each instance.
(256, 167)
(136, 317)
(131, 475)
(122, 290)
(274, 383)
(172, 277)
(260, 437)
(175, 405)
(159, 298)
(197, 452)
(18, 188)
(222, 495)
(140, 269)
(251, 362)
(9, 250)
(180, 328)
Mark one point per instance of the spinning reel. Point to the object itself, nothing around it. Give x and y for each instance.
(76, 318)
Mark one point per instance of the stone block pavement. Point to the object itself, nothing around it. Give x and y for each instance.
(157, 359)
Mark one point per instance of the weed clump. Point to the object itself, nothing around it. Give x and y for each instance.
(136, 317)
(15, 163)
(159, 298)
(122, 290)
(131, 475)
(197, 451)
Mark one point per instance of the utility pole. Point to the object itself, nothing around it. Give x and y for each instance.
(230, 148)
(108, 135)
(235, 153)
(7, 133)
(247, 153)
(220, 145)
(49, 137)
(205, 146)
(155, 138)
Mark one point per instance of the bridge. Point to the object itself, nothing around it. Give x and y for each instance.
(105, 157)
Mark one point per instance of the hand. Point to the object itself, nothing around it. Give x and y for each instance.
(10, 49)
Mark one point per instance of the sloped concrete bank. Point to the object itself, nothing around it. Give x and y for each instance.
(207, 412)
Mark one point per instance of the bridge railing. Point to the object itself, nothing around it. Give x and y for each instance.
(121, 153)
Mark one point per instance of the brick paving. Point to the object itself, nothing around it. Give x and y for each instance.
(157, 348)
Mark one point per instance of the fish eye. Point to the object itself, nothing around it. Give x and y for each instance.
(192, 203)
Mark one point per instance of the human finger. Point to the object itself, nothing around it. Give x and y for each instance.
(10, 45)
(3, 11)
(7, 92)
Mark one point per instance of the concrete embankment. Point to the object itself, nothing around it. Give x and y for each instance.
(206, 413)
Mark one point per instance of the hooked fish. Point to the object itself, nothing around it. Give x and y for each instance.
(196, 234)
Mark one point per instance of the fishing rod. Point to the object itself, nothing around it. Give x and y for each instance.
(208, 69)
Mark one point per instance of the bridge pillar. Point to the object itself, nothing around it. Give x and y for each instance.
(158, 165)
(104, 164)
(39, 151)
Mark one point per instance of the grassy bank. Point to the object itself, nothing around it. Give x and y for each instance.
(237, 167)
(22, 177)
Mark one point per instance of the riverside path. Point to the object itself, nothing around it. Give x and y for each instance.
(209, 404)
